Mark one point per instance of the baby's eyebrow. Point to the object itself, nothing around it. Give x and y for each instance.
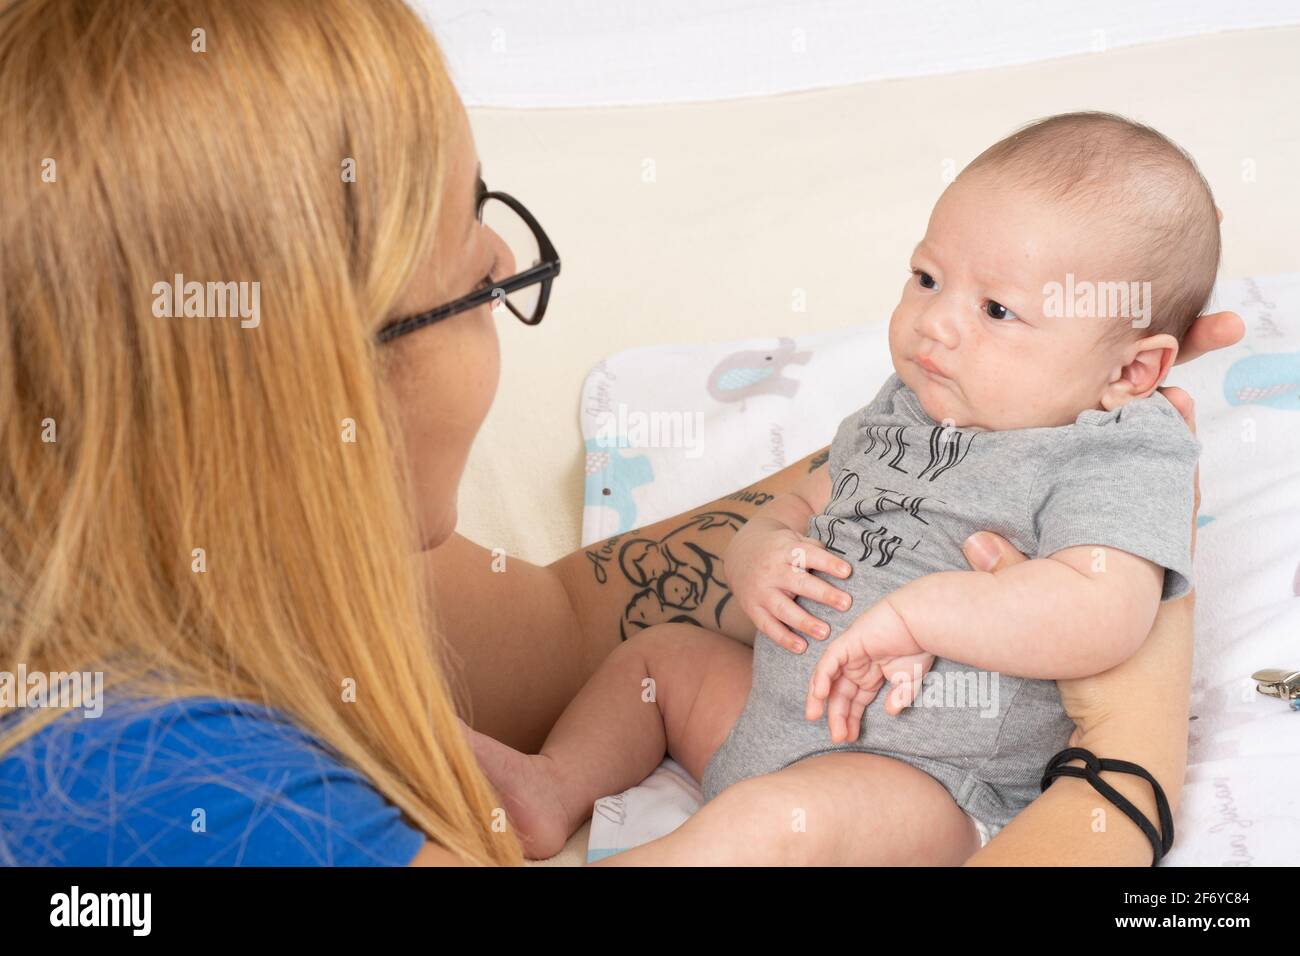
(994, 280)
(986, 278)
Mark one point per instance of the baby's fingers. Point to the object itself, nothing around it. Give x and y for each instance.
(787, 612)
(905, 674)
(827, 669)
(811, 555)
(814, 558)
(901, 695)
(861, 699)
(818, 692)
(777, 632)
(840, 711)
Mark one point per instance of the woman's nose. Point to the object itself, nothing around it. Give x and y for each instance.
(503, 260)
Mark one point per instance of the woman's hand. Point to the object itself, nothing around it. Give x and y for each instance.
(767, 568)
(1209, 332)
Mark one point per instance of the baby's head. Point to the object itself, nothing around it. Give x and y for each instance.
(1058, 273)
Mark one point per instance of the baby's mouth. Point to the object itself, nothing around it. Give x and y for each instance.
(928, 366)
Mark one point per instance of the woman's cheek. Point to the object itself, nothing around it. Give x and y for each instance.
(488, 348)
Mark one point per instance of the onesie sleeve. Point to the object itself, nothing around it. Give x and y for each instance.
(1123, 480)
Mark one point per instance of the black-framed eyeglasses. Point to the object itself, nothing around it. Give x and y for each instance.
(525, 293)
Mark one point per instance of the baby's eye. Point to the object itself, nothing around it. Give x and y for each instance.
(925, 279)
(998, 311)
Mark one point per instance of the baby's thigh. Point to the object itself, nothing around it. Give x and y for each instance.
(845, 809)
(700, 680)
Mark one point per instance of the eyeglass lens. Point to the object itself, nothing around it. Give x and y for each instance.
(507, 223)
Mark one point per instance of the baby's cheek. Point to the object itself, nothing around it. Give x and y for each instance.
(1003, 398)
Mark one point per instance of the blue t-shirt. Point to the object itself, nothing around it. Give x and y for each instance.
(190, 782)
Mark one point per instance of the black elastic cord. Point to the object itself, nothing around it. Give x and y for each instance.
(1093, 766)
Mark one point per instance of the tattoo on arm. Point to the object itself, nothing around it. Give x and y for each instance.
(754, 497)
(677, 577)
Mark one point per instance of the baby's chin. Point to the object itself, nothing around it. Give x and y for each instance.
(938, 399)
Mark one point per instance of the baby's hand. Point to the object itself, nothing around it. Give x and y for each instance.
(767, 569)
(875, 647)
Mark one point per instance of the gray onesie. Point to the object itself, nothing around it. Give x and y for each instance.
(905, 495)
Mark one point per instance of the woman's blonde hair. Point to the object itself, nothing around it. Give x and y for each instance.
(204, 506)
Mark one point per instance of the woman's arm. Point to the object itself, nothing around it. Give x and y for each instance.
(527, 637)
(1137, 712)
(1071, 824)
(671, 570)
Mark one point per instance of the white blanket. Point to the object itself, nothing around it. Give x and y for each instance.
(697, 422)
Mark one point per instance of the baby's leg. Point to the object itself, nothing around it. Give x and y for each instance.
(838, 809)
(673, 688)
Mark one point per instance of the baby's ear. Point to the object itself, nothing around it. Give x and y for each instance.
(1148, 362)
(1153, 357)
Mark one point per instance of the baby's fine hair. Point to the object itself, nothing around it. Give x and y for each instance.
(1141, 188)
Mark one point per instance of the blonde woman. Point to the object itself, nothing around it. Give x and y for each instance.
(242, 518)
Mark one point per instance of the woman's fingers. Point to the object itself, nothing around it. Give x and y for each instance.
(986, 551)
(1209, 332)
(1187, 408)
(1183, 403)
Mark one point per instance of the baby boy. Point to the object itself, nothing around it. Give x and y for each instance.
(1042, 310)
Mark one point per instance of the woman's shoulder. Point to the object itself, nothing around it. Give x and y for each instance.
(190, 781)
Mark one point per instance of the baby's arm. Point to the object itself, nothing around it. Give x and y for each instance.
(794, 509)
(1052, 618)
(1079, 612)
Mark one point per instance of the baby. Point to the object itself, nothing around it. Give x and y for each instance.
(1044, 307)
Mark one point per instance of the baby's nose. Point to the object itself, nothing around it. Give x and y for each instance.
(940, 322)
